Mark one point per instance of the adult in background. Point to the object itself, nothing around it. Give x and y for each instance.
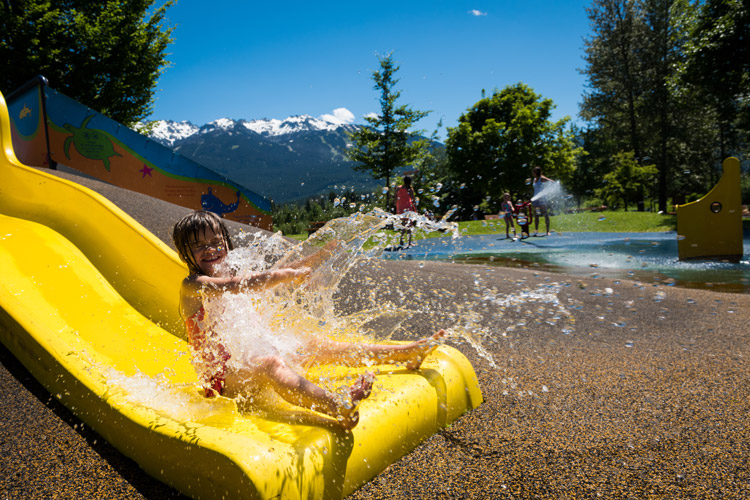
(539, 201)
(405, 203)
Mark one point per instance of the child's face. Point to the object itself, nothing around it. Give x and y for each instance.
(209, 251)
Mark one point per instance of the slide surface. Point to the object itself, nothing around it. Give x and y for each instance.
(88, 303)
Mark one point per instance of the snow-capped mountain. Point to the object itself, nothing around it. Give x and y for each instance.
(298, 157)
(170, 133)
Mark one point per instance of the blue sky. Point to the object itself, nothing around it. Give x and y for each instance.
(248, 60)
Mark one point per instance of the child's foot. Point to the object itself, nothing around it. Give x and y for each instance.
(348, 416)
(422, 349)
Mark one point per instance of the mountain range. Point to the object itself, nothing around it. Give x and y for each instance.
(283, 160)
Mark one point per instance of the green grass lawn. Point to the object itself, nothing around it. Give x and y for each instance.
(598, 222)
(609, 221)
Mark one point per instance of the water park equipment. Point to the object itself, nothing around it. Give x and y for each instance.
(49, 128)
(88, 304)
(711, 227)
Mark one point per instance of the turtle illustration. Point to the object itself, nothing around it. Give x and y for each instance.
(90, 143)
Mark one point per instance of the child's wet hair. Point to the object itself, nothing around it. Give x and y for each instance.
(188, 231)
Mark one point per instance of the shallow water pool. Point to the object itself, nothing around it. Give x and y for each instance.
(645, 257)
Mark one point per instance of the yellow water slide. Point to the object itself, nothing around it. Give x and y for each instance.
(88, 303)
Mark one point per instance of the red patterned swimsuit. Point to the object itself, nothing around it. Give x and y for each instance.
(209, 354)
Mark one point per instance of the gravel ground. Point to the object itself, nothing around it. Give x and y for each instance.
(593, 388)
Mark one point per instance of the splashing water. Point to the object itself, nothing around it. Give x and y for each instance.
(180, 402)
(554, 196)
(283, 320)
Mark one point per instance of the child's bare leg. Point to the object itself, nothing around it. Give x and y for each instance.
(299, 391)
(350, 354)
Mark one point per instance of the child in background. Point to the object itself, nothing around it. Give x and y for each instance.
(202, 241)
(525, 215)
(506, 207)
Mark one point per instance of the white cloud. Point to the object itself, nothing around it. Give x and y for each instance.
(372, 115)
(477, 13)
(339, 116)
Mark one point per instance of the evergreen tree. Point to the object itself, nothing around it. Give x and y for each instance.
(108, 55)
(387, 143)
(614, 97)
(631, 59)
(716, 70)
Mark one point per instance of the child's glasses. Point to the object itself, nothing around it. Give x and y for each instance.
(217, 244)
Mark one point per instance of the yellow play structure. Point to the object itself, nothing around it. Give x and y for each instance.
(711, 228)
(88, 303)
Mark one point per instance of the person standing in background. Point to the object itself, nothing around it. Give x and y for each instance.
(539, 201)
(405, 203)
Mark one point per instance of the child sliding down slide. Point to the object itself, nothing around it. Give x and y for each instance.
(202, 241)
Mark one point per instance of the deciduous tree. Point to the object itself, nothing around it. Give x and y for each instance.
(628, 181)
(106, 54)
(500, 139)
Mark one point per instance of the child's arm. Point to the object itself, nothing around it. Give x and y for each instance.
(253, 281)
